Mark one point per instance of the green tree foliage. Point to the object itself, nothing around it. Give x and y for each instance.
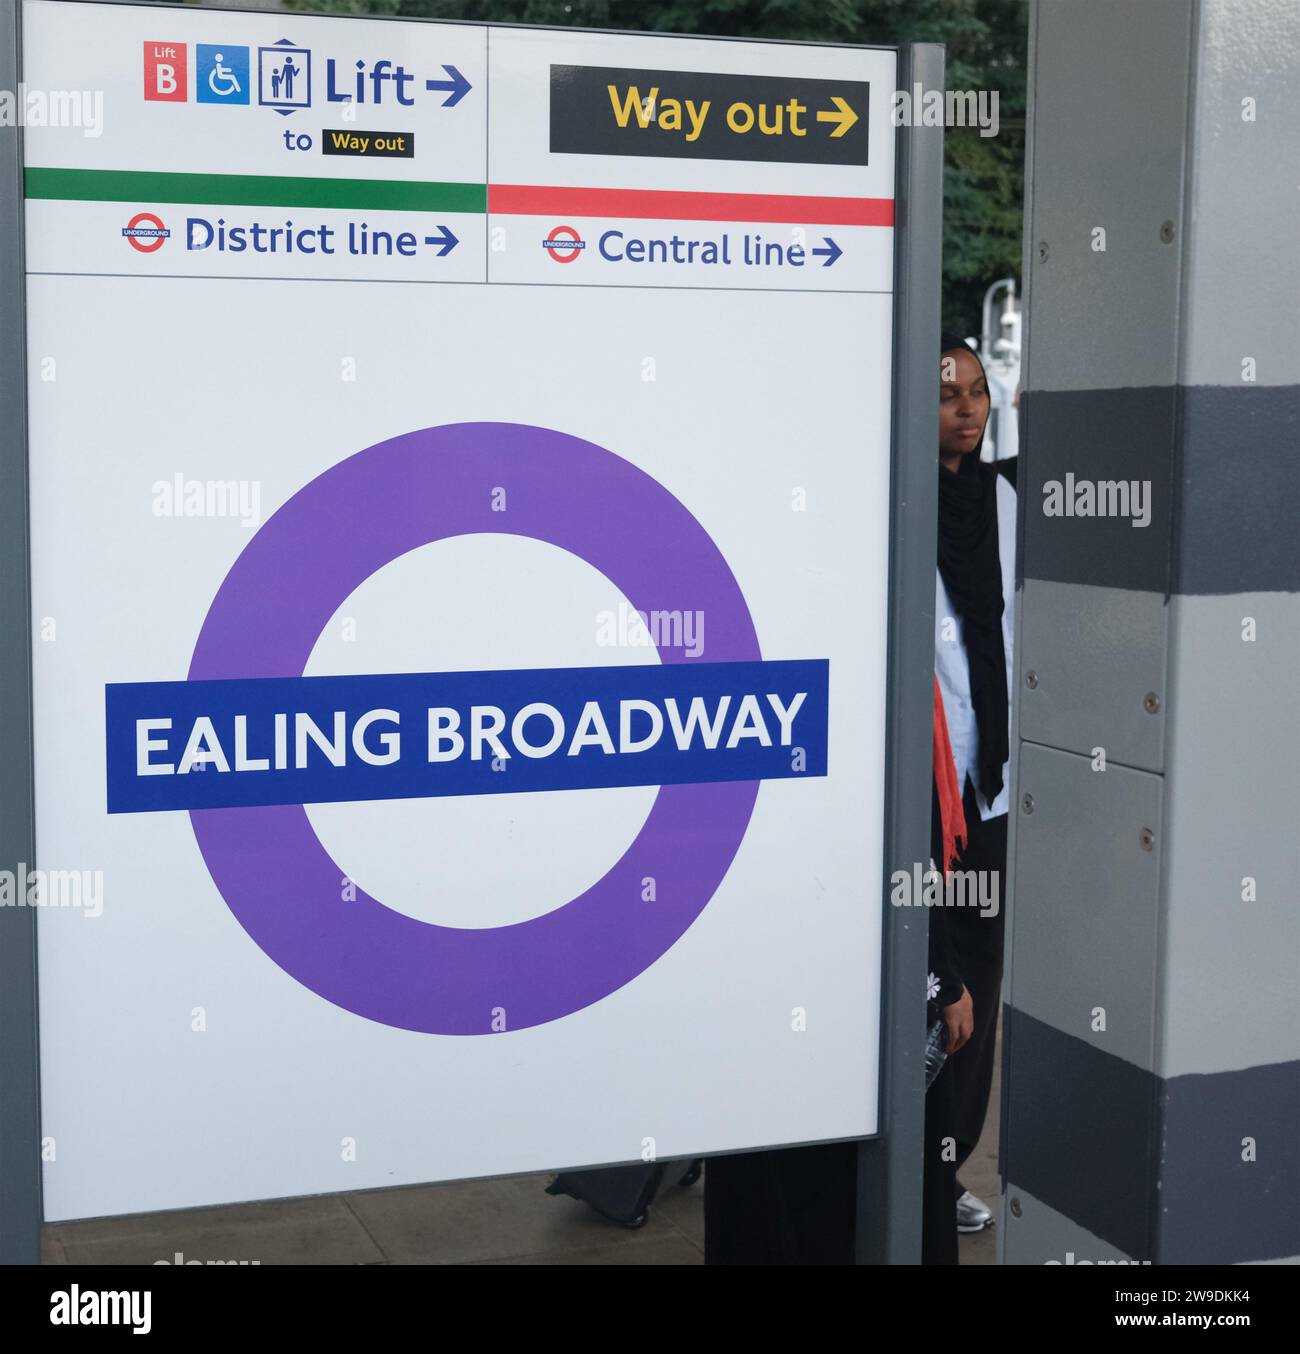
(986, 42)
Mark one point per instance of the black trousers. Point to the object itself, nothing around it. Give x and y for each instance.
(939, 1179)
(976, 942)
(792, 1206)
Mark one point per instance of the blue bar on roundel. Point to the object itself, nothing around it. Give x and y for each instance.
(317, 740)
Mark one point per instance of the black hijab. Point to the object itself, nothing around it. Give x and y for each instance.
(971, 569)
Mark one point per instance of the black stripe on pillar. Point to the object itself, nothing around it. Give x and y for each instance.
(1240, 484)
(1154, 1167)
(1078, 1131)
(1224, 476)
(1099, 435)
(1215, 1207)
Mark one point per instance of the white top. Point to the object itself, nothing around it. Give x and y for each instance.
(953, 669)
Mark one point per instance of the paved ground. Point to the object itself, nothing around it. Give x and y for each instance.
(483, 1222)
(980, 1174)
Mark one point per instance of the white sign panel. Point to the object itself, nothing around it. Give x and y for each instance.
(459, 499)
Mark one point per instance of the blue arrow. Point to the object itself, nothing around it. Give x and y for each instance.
(446, 239)
(831, 254)
(458, 86)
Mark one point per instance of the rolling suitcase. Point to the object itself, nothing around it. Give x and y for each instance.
(623, 1194)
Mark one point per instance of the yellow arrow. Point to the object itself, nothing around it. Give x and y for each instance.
(844, 115)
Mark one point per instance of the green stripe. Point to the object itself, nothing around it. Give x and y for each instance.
(253, 190)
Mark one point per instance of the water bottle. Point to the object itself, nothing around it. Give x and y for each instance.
(936, 1051)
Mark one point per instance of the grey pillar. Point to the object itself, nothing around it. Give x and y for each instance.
(20, 1167)
(890, 1165)
(1151, 1075)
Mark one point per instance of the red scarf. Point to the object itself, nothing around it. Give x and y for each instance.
(951, 814)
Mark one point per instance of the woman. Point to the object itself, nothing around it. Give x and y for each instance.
(797, 1205)
(975, 590)
(949, 1009)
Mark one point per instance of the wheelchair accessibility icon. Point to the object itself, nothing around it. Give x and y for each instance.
(221, 73)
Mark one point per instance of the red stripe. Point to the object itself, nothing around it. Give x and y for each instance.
(515, 199)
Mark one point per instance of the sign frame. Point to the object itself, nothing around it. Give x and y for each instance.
(889, 1183)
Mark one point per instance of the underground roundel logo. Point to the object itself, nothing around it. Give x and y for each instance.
(564, 244)
(145, 232)
(704, 726)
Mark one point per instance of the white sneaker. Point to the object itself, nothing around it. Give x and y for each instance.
(973, 1215)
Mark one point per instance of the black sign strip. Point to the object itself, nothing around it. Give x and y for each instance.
(698, 115)
(369, 144)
